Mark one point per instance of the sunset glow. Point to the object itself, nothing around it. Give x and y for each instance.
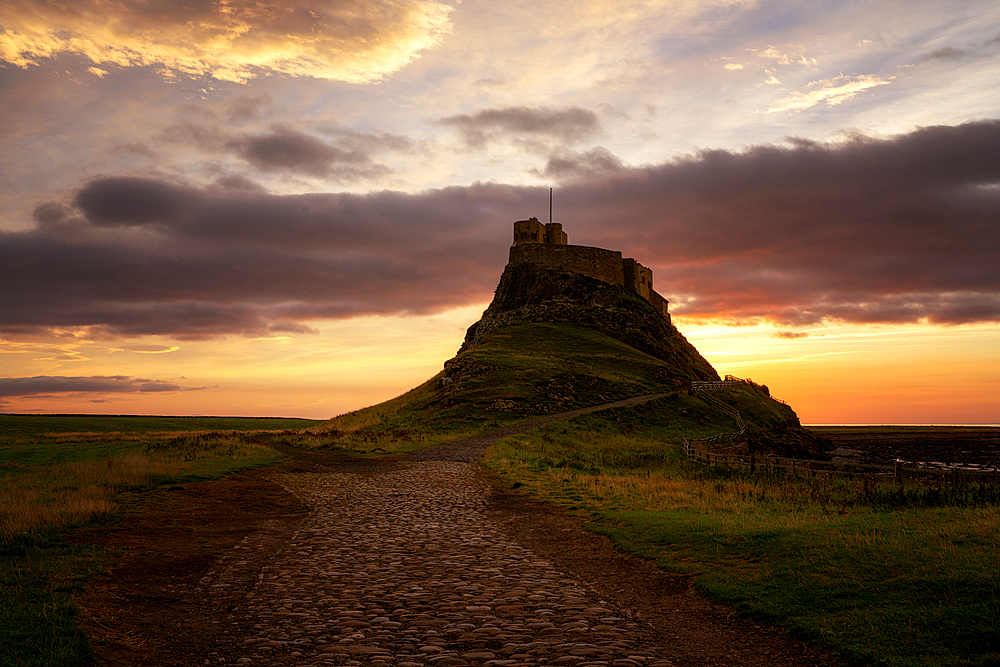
(297, 208)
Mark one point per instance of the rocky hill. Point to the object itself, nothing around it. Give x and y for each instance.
(532, 293)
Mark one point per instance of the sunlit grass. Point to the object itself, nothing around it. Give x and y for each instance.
(63, 479)
(43, 496)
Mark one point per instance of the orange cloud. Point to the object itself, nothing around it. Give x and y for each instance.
(346, 40)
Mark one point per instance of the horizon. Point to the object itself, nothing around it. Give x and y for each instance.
(210, 416)
(300, 210)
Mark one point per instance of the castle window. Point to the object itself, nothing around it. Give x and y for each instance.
(534, 237)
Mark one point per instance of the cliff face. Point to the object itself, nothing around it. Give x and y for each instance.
(532, 293)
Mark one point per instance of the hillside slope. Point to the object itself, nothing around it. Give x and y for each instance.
(519, 371)
(531, 293)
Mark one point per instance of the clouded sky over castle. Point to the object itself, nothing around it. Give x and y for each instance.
(296, 208)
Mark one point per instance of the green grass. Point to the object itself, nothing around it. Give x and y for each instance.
(914, 587)
(16, 427)
(38, 576)
(902, 576)
(65, 471)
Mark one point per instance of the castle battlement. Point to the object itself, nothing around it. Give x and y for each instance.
(547, 245)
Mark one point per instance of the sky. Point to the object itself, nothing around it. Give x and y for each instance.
(297, 207)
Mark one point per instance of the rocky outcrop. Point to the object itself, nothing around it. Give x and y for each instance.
(532, 293)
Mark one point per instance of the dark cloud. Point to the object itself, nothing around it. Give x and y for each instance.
(368, 143)
(46, 385)
(348, 156)
(237, 183)
(247, 107)
(196, 263)
(897, 230)
(791, 335)
(565, 125)
(129, 201)
(567, 165)
(946, 53)
(985, 49)
(294, 151)
(138, 149)
(892, 230)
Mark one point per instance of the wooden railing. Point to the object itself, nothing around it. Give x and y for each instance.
(705, 387)
(900, 470)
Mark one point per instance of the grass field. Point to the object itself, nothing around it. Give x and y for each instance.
(885, 575)
(62, 471)
(901, 576)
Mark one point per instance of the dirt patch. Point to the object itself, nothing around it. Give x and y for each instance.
(153, 607)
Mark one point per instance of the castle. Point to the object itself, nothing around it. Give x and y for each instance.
(546, 244)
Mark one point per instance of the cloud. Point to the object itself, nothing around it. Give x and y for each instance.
(771, 53)
(296, 151)
(135, 148)
(865, 230)
(567, 125)
(346, 155)
(247, 107)
(150, 349)
(946, 53)
(598, 160)
(237, 183)
(44, 385)
(791, 335)
(154, 256)
(983, 49)
(831, 91)
(357, 41)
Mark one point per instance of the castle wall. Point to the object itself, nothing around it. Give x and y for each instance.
(659, 303)
(554, 233)
(598, 263)
(638, 278)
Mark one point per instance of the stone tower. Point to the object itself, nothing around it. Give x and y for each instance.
(533, 231)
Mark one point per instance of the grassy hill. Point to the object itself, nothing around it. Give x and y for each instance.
(519, 371)
(528, 369)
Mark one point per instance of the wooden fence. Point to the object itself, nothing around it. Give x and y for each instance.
(733, 457)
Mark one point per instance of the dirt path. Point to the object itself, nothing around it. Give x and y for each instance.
(472, 449)
(418, 563)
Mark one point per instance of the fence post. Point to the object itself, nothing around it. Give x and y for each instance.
(895, 473)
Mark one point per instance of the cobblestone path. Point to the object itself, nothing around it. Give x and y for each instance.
(402, 567)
